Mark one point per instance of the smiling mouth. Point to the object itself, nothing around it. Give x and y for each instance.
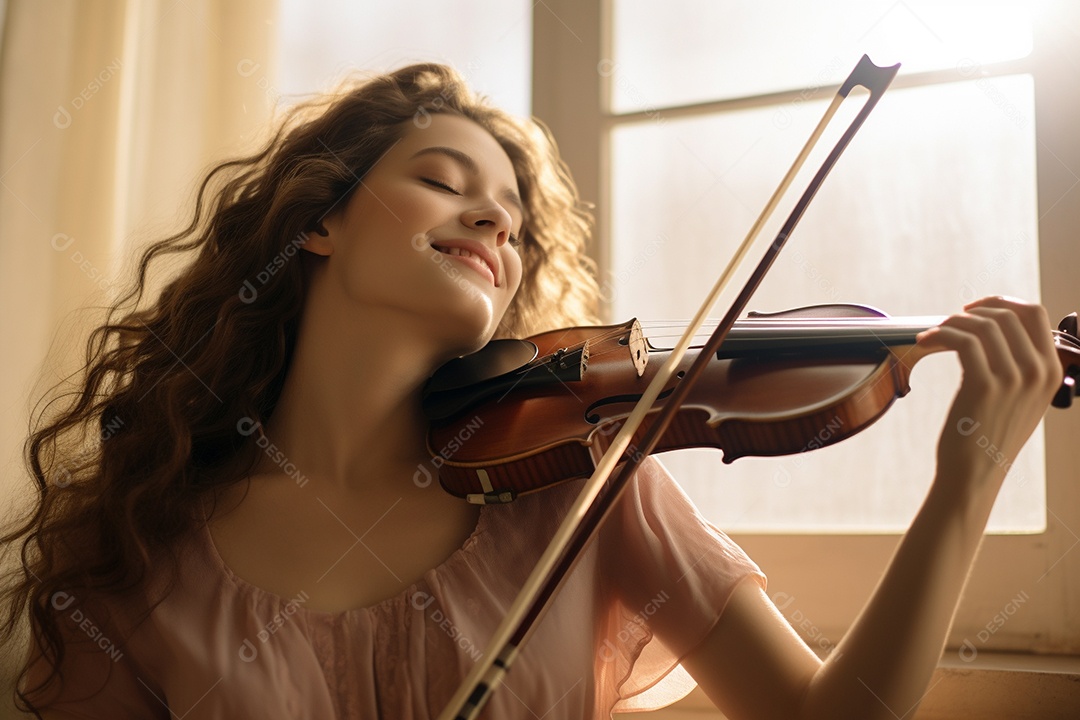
(472, 259)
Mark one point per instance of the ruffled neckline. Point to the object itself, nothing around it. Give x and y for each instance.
(259, 593)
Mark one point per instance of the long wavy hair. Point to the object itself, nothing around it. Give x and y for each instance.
(122, 463)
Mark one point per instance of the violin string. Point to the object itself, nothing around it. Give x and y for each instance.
(871, 326)
(599, 338)
(598, 342)
(780, 325)
(800, 323)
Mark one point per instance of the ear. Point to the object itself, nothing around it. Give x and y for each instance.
(317, 240)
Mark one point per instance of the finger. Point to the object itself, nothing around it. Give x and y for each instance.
(1041, 369)
(966, 345)
(1033, 316)
(1017, 359)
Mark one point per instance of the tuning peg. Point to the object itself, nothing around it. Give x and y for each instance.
(1065, 393)
(1068, 325)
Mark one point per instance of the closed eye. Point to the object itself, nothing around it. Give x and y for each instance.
(441, 185)
(514, 240)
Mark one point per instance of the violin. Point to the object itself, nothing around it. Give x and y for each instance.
(512, 394)
(522, 415)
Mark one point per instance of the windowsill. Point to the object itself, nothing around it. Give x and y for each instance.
(993, 686)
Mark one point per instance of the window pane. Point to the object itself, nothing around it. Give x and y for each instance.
(488, 42)
(687, 51)
(931, 206)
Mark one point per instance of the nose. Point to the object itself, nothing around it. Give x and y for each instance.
(491, 219)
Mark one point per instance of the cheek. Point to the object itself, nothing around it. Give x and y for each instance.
(514, 271)
(379, 234)
(385, 212)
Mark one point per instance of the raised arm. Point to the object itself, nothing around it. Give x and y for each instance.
(753, 665)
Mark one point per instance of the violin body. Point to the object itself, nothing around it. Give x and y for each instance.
(780, 391)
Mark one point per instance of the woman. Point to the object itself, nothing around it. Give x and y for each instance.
(249, 537)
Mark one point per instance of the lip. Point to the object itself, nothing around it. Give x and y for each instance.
(487, 255)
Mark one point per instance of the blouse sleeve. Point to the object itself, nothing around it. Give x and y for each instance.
(98, 678)
(667, 574)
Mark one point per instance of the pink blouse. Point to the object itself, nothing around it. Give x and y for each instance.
(648, 589)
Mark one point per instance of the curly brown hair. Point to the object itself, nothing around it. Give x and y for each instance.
(122, 464)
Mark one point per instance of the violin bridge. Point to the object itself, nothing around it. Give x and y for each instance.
(639, 351)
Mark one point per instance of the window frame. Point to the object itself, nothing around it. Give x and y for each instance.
(822, 581)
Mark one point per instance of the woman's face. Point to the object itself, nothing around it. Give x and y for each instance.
(429, 233)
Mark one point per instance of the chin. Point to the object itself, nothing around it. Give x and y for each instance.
(468, 332)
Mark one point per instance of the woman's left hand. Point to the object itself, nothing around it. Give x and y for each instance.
(1010, 374)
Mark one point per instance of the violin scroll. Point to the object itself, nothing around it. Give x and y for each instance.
(1068, 343)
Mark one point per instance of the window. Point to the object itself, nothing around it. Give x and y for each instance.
(679, 122)
(487, 42)
(944, 169)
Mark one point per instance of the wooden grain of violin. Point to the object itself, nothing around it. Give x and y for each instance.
(519, 416)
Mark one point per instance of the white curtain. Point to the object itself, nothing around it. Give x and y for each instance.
(110, 111)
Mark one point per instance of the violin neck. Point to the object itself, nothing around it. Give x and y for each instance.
(750, 337)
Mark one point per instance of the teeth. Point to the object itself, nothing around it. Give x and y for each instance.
(459, 251)
(462, 252)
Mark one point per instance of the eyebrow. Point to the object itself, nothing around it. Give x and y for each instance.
(471, 166)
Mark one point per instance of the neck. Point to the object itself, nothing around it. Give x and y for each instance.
(349, 413)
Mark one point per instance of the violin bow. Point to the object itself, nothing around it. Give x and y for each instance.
(588, 512)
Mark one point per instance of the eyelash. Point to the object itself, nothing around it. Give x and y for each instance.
(438, 184)
(513, 239)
